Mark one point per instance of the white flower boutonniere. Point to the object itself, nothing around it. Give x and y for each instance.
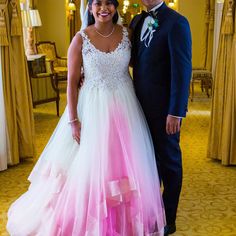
(153, 24)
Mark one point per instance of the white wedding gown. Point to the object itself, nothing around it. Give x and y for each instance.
(108, 185)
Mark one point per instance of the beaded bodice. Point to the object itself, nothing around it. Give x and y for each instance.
(106, 70)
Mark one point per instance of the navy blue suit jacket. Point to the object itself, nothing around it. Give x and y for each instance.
(162, 72)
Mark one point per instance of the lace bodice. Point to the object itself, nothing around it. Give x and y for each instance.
(106, 70)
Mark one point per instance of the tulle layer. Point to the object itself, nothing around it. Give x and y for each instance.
(106, 186)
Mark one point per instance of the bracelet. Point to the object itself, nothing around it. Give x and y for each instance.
(72, 121)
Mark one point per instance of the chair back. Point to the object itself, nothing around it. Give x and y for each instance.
(49, 49)
(37, 66)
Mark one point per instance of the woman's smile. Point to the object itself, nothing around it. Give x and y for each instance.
(103, 14)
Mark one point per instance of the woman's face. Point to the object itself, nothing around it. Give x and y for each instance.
(103, 10)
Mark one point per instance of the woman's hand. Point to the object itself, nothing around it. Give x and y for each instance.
(74, 71)
(76, 129)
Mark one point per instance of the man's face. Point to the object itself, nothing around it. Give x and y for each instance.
(149, 4)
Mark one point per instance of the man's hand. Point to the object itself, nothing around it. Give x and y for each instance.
(172, 124)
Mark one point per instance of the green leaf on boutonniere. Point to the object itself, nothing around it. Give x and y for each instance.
(153, 24)
(156, 24)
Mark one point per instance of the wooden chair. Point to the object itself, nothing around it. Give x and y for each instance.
(204, 77)
(42, 81)
(58, 64)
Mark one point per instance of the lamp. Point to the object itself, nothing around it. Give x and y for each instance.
(126, 4)
(171, 3)
(35, 18)
(26, 19)
(71, 7)
(30, 19)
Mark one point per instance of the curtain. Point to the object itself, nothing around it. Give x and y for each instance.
(229, 127)
(74, 21)
(3, 130)
(16, 84)
(208, 34)
(223, 93)
(77, 16)
(217, 24)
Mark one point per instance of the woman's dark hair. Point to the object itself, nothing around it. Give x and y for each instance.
(91, 19)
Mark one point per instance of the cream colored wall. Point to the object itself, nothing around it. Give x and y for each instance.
(54, 24)
(194, 11)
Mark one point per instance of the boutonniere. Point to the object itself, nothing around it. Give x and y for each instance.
(153, 24)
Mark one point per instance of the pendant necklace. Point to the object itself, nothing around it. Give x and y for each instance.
(105, 36)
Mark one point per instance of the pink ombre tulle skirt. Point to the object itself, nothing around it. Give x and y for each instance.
(106, 186)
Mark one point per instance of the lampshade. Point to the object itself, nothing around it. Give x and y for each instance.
(30, 19)
(35, 18)
(26, 20)
(71, 6)
(171, 3)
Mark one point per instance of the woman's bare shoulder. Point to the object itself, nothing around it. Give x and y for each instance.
(76, 43)
(89, 30)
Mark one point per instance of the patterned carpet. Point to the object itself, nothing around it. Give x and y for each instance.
(208, 200)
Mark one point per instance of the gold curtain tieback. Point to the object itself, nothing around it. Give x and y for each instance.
(3, 29)
(228, 24)
(16, 29)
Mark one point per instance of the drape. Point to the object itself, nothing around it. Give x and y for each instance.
(222, 127)
(229, 127)
(217, 25)
(16, 84)
(208, 34)
(77, 16)
(3, 130)
(74, 21)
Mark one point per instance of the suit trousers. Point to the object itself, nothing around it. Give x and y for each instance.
(169, 164)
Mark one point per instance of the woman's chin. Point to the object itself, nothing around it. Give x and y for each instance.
(104, 19)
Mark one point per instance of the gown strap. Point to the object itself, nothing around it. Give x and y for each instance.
(83, 35)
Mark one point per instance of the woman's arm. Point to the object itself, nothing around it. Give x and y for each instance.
(74, 71)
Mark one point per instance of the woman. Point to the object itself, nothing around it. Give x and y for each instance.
(102, 180)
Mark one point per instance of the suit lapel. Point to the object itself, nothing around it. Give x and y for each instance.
(136, 26)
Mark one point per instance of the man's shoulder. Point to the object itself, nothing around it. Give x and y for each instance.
(135, 21)
(176, 16)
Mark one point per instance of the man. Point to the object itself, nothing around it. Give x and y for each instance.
(161, 58)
